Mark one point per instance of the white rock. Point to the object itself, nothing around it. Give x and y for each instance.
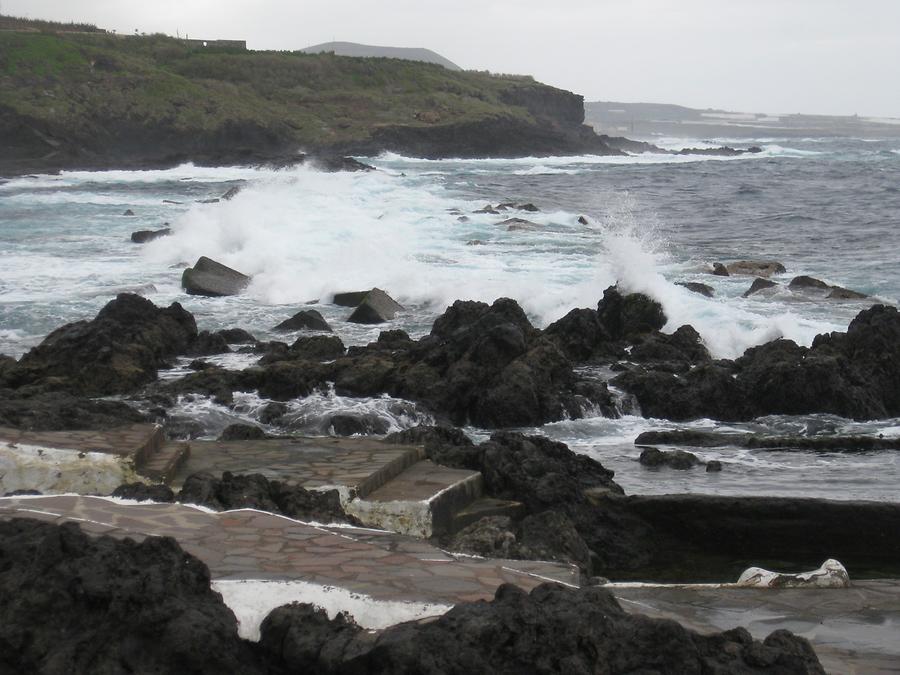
(831, 574)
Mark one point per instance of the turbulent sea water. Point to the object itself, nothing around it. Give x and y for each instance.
(829, 208)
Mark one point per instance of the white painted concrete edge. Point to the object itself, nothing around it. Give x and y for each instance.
(252, 600)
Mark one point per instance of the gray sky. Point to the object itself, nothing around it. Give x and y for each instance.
(783, 56)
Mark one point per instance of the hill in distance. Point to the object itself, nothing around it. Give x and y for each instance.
(648, 120)
(406, 53)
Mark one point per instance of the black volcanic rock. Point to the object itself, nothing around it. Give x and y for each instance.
(144, 236)
(551, 630)
(854, 374)
(236, 336)
(758, 285)
(242, 432)
(117, 351)
(674, 459)
(143, 492)
(481, 364)
(805, 282)
(580, 335)
(696, 287)
(313, 347)
(683, 347)
(758, 268)
(208, 344)
(60, 411)
(255, 491)
(73, 604)
(625, 317)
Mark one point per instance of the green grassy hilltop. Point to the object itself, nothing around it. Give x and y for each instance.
(98, 96)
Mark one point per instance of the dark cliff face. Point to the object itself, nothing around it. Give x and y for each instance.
(34, 145)
(548, 104)
(491, 137)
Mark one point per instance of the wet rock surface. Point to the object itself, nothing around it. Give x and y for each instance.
(852, 374)
(242, 432)
(143, 492)
(550, 630)
(74, 604)
(314, 347)
(58, 411)
(674, 459)
(116, 352)
(758, 268)
(699, 288)
(759, 284)
(144, 236)
(255, 491)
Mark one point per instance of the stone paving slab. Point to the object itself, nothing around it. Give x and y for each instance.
(854, 630)
(359, 465)
(250, 544)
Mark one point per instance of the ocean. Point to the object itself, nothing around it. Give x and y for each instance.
(829, 208)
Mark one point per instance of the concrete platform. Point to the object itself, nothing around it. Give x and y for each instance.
(355, 466)
(854, 631)
(85, 461)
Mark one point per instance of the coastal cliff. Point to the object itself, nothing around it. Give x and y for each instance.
(96, 100)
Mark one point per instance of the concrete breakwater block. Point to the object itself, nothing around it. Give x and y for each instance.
(373, 306)
(832, 574)
(213, 279)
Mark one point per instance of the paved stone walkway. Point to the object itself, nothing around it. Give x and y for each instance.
(359, 465)
(854, 630)
(249, 544)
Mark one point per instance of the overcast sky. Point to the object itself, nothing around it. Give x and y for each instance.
(782, 56)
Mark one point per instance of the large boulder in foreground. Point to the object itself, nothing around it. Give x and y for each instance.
(213, 279)
(116, 352)
(551, 630)
(73, 604)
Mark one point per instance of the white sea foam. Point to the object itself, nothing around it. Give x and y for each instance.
(304, 234)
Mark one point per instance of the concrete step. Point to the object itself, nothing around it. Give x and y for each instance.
(76, 461)
(150, 446)
(422, 501)
(484, 507)
(164, 463)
